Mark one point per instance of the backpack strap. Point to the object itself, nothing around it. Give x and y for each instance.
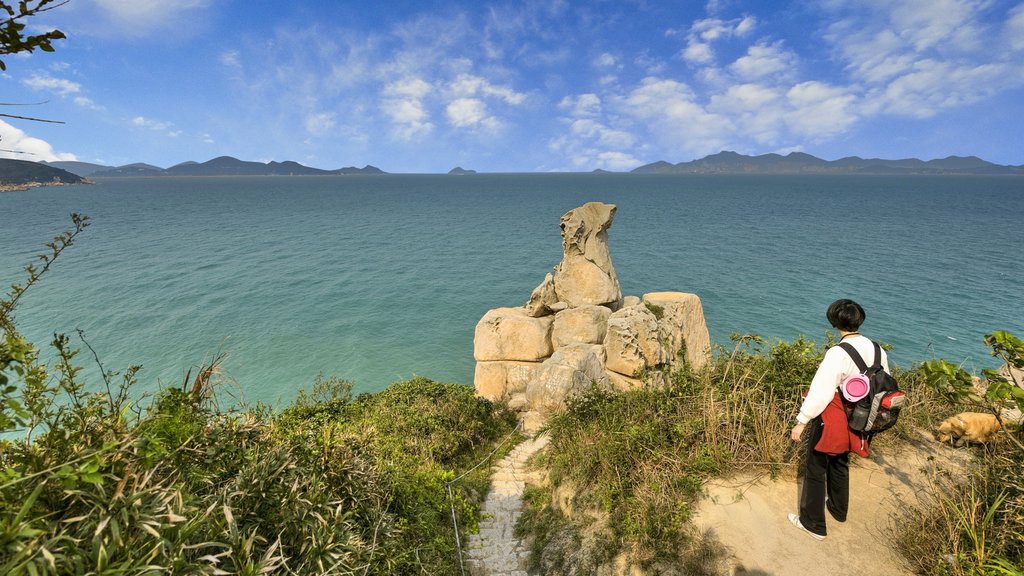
(857, 359)
(878, 356)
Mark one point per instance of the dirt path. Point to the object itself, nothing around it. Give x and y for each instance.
(748, 515)
(495, 551)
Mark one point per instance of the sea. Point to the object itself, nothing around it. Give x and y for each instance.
(376, 279)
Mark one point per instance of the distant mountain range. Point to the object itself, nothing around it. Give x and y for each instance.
(17, 174)
(220, 166)
(800, 163)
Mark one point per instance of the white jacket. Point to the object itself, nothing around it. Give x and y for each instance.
(836, 367)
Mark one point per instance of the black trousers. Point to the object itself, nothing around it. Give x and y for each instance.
(824, 475)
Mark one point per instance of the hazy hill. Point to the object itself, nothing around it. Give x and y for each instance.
(23, 172)
(137, 169)
(368, 169)
(727, 162)
(83, 169)
(229, 166)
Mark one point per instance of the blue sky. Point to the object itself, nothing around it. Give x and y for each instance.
(520, 86)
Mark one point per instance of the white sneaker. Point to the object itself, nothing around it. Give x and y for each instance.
(795, 521)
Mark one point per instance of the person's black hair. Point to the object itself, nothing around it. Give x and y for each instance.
(845, 315)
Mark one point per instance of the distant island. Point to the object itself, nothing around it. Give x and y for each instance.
(800, 163)
(459, 170)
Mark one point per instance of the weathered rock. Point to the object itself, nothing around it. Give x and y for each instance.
(586, 275)
(542, 298)
(500, 379)
(622, 383)
(630, 301)
(570, 370)
(633, 341)
(511, 334)
(682, 326)
(584, 324)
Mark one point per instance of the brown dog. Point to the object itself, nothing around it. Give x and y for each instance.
(967, 427)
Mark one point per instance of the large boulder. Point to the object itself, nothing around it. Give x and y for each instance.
(584, 325)
(633, 341)
(512, 334)
(586, 275)
(682, 327)
(570, 370)
(501, 379)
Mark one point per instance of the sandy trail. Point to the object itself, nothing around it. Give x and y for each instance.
(748, 515)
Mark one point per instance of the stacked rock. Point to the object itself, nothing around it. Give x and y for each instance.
(577, 330)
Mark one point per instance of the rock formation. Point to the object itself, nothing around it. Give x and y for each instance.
(578, 331)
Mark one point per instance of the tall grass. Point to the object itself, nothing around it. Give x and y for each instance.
(640, 458)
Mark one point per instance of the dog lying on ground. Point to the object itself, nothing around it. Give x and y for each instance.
(967, 427)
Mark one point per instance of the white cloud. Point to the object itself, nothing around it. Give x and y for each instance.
(746, 26)
(669, 110)
(698, 53)
(151, 124)
(140, 17)
(606, 60)
(470, 85)
(471, 113)
(1014, 30)
(703, 33)
(820, 111)
(930, 86)
(756, 110)
(320, 124)
(601, 134)
(584, 105)
(87, 103)
(762, 60)
(18, 145)
(231, 58)
(57, 85)
(403, 104)
(915, 58)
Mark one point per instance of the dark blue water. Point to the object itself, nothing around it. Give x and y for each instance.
(375, 279)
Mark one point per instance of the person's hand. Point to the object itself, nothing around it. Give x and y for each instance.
(797, 432)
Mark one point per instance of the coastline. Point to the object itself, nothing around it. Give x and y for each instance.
(25, 186)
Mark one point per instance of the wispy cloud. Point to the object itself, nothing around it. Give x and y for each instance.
(403, 103)
(151, 124)
(47, 83)
(144, 17)
(914, 58)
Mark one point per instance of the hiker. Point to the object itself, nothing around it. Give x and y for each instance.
(826, 481)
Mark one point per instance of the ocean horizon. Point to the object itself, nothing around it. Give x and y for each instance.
(379, 278)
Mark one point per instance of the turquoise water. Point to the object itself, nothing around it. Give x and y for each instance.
(376, 279)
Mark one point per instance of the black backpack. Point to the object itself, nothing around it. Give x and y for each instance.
(879, 409)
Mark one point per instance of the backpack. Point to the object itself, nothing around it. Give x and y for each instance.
(878, 410)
